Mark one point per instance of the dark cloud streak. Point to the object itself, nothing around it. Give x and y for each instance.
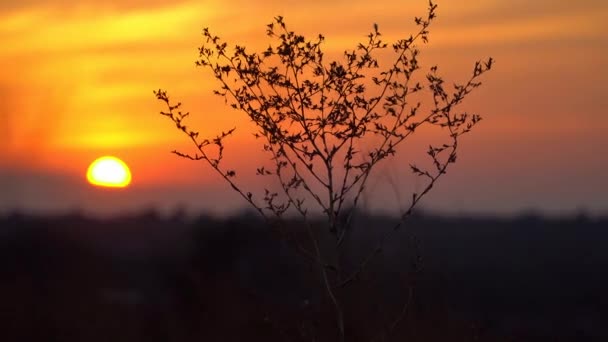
(519, 10)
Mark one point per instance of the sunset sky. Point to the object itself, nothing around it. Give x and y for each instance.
(77, 78)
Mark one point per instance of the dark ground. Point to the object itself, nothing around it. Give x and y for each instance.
(146, 278)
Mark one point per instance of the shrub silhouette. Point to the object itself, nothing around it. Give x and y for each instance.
(312, 117)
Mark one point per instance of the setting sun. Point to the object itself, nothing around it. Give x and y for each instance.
(109, 171)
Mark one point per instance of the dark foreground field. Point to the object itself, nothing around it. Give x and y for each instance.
(146, 278)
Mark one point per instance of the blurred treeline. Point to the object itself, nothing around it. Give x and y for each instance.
(151, 278)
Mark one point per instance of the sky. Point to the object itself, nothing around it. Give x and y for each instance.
(78, 76)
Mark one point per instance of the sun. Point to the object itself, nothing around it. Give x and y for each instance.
(110, 172)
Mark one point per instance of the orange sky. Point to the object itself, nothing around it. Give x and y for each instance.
(77, 83)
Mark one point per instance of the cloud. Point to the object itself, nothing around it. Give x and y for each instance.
(65, 32)
(113, 5)
(6, 117)
(501, 11)
(29, 117)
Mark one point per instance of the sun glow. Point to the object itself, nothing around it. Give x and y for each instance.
(109, 171)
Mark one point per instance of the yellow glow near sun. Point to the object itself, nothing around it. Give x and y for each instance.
(109, 171)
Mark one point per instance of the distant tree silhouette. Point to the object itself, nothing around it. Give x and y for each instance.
(312, 117)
